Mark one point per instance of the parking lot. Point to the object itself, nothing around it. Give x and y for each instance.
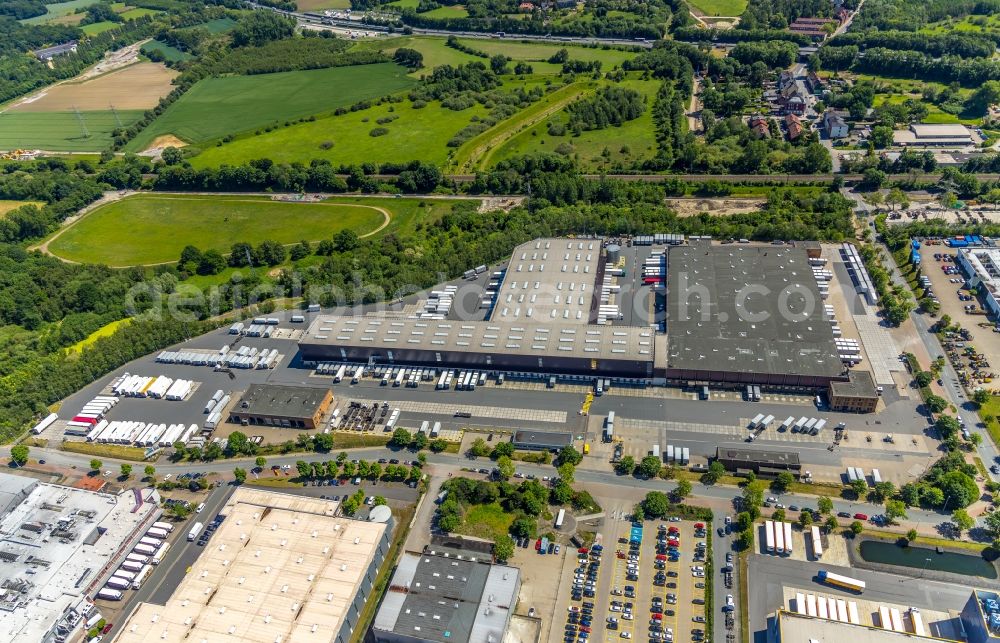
(642, 581)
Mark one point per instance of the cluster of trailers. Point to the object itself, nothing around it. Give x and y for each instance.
(214, 408)
(654, 269)
(891, 618)
(676, 455)
(91, 415)
(438, 303)
(137, 566)
(259, 327)
(779, 537)
(857, 473)
(157, 386)
(804, 424)
(140, 434)
(833, 609)
(248, 357)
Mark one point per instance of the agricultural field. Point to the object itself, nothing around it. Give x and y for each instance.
(416, 134)
(320, 5)
(434, 51)
(62, 131)
(138, 86)
(58, 10)
(154, 228)
(217, 26)
(539, 52)
(627, 145)
(95, 28)
(169, 53)
(10, 206)
(714, 8)
(216, 107)
(444, 12)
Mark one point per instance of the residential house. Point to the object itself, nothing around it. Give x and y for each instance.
(793, 126)
(834, 125)
(759, 127)
(525, 7)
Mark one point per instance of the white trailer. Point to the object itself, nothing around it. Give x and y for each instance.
(132, 566)
(817, 543)
(436, 429)
(811, 605)
(769, 534)
(819, 427)
(876, 476)
(137, 558)
(123, 573)
(670, 453)
(809, 425)
(116, 582)
(800, 424)
(779, 538)
(656, 450)
(767, 422)
(339, 376)
(109, 594)
(441, 380)
(399, 377)
(160, 553)
(141, 576)
(159, 534)
(917, 621)
(755, 422)
(165, 526)
(787, 424)
(800, 603)
(151, 542)
(195, 530)
(787, 527)
(45, 423)
(144, 549)
(685, 455)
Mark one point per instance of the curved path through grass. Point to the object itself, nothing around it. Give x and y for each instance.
(151, 229)
(475, 154)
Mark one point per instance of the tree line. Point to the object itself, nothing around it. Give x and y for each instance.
(610, 106)
(968, 72)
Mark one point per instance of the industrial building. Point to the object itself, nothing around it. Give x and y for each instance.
(933, 134)
(981, 617)
(736, 314)
(982, 267)
(857, 395)
(759, 461)
(296, 407)
(14, 490)
(541, 440)
(448, 596)
(57, 545)
(790, 627)
(279, 568)
(747, 314)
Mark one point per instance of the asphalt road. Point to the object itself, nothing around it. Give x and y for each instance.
(956, 395)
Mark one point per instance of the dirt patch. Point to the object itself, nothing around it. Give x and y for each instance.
(139, 86)
(691, 207)
(504, 203)
(167, 140)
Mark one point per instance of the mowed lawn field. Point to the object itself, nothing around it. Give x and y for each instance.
(720, 7)
(170, 54)
(62, 131)
(154, 228)
(634, 141)
(417, 134)
(215, 107)
(59, 9)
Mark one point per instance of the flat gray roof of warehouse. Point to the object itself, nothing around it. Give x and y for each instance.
(740, 308)
(523, 337)
(753, 455)
(281, 400)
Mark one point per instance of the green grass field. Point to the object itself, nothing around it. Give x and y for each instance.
(9, 206)
(219, 25)
(453, 11)
(486, 521)
(633, 142)
(95, 28)
(170, 54)
(433, 49)
(58, 10)
(215, 107)
(61, 131)
(719, 7)
(132, 14)
(417, 134)
(154, 228)
(535, 52)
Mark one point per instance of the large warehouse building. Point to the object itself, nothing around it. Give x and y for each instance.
(280, 568)
(296, 407)
(736, 315)
(447, 598)
(748, 315)
(58, 545)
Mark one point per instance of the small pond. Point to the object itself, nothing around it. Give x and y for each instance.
(888, 553)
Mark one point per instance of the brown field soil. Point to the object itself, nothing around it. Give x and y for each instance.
(8, 206)
(689, 207)
(167, 140)
(72, 19)
(139, 86)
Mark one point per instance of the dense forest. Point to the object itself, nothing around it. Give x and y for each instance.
(968, 72)
(911, 15)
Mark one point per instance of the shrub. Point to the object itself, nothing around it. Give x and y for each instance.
(378, 131)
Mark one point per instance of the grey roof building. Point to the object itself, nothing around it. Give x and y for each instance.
(447, 597)
(541, 440)
(48, 53)
(282, 405)
(13, 491)
(747, 314)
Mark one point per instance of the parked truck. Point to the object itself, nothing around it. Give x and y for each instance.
(195, 530)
